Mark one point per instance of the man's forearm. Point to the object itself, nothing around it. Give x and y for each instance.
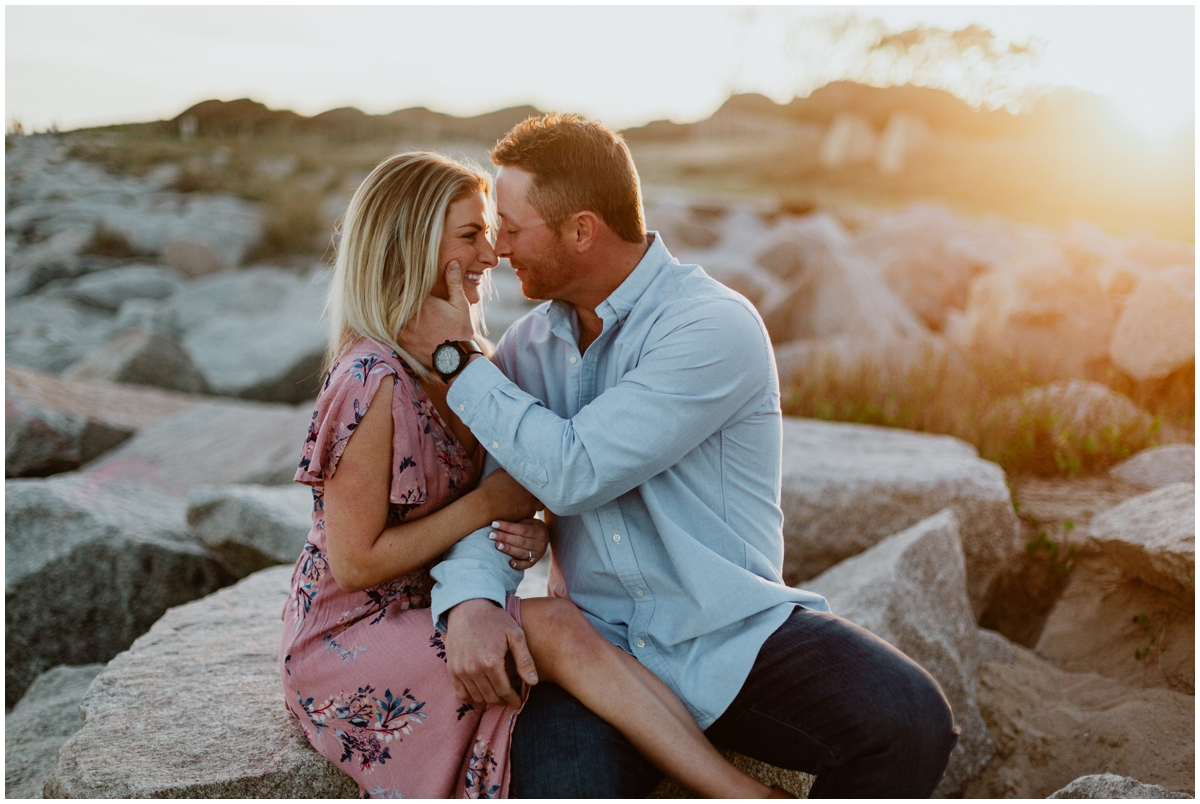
(473, 568)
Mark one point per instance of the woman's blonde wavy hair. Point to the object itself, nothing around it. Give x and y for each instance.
(387, 260)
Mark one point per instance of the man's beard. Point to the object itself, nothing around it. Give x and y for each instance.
(547, 275)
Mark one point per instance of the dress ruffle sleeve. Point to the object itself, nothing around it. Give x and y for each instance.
(348, 391)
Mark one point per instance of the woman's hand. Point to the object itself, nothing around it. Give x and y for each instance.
(526, 541)
(506, 498)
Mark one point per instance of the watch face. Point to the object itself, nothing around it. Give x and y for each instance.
(446, 359)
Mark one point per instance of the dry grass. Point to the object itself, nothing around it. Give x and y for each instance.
(945, 392)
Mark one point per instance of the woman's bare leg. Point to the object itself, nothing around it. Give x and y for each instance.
(569, 652)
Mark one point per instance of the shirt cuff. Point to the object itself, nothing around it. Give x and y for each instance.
(473, 385)
(459, 580)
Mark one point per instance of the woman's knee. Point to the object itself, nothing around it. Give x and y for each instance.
(556, 630)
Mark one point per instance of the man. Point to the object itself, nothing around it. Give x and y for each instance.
(641, 406)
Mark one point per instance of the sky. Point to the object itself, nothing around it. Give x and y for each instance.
(75, 66)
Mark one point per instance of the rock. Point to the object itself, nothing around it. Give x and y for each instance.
(50, 334)
(848, 140)
(108, 289)
(795, 782)
(830, 288)
(910, 590)
(217, 656)
(994, 647)
(140, 357)
(1155, 253)
(251, 527)
(57, 256)
(1159, 466)
(208, 444)
(1040, 314)
(1153, 537)
(904, 134)
(847, 487)
(760, 287)
(147, 314)
(42, 721)
(1050, 726)
(88, 569)
(1110, 623)
(41, 441)
(682, 228)
(121, 407)
(256, 334)
(1108, 785)
(193, 259)
(929, 258)
(1065, 426)
(1156, 332)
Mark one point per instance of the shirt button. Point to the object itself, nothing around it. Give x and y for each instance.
(495, 445)
(574, 360)
(638, 592)
(641, 643)
(616, 537)
(461, 408)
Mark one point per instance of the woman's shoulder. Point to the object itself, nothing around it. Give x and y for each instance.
(362, 363)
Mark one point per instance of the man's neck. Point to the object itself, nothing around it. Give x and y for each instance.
(613, 268)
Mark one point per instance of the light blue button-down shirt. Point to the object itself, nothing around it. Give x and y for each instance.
(660, 451)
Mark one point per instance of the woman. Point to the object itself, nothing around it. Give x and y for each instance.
(362, 665)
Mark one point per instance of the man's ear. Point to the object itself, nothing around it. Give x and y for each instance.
(582, 229)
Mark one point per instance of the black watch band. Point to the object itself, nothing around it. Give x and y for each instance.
(450, 357)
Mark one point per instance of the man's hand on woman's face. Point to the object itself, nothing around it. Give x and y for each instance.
(439, 320)
(479, 638)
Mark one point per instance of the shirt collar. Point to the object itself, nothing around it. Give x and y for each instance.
(622, 300)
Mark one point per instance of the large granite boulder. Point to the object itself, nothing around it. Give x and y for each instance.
(42, 721)
(830, 288)
(108, 289)
(1039, 313)
(256, 334)
(1109, 785)
(41, 441)
(218, 656)
(1159, 466)
(250, 527)
(140, 357)
(211, 443)
(48, 334)
(910, 590)
(1153, 537)
(847, 487)
(1156, 332)
(87, 569)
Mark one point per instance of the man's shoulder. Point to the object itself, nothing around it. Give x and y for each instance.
(686, 293)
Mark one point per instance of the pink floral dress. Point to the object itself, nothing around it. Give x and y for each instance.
(364, 673)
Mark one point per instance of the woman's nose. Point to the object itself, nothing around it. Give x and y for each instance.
(487, 255)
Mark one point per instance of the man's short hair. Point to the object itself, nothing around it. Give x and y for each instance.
(577, 165)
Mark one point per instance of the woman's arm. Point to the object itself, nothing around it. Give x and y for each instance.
(362, 551)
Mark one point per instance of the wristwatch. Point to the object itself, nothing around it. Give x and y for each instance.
(451, 357)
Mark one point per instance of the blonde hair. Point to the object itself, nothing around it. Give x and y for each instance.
(387, 260)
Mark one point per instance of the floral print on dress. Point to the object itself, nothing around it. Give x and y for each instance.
(339, 648)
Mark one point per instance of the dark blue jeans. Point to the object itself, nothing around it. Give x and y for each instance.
(825, 697)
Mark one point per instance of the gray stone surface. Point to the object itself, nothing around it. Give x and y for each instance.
(1108, 785)
(1153, 537)
(201, 687)
(910, 590)
(830, 288)
(1159, 466)
(256, 334)
(48, 334)
(211, 443)
(846, 487)
(41, 441)
(995, 647)
(251, 527)
(141, 357)
(108, 289)
(88, 568)
(42, 721)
